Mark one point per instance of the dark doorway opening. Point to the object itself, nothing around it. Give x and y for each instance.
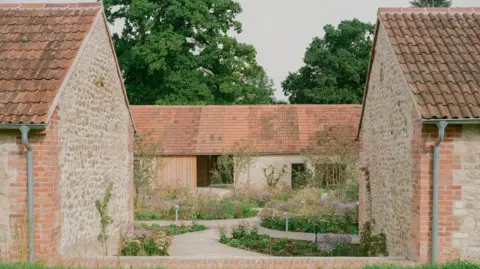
(298, 176)
(206, 167)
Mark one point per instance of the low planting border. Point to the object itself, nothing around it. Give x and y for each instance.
(236, 262)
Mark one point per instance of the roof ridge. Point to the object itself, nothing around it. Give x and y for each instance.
(50, 5)
(428, 9)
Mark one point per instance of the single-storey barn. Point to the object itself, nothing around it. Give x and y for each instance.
(65, 132)
(263, 140)
(420, 133)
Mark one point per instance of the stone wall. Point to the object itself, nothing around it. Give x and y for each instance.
(96, 148)
(7, 176)
(386, 135)
(466, 207)
(253, 175)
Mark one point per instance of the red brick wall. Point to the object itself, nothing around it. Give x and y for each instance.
(46, 194)
(247, 262)
(422, 175)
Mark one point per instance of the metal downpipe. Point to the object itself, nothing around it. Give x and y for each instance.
(436, 174)
(31, 229)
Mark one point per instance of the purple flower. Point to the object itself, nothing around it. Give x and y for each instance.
(325, 247)
(287, 206)
(265, 196)
(340, 206)
(343, 207)
(142, 233)
(324, 201)
(336, 239)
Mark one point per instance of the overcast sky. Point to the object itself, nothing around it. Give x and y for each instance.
(281, 30)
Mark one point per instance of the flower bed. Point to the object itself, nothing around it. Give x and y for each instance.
(173, 229)
(311, 216)
(196, 209)
(145, 242)
(248, 238)
(153, 240)
(194, 205)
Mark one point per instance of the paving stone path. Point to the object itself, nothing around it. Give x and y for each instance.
(206, 244)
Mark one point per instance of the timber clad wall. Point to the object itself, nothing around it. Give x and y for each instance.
(176, 171)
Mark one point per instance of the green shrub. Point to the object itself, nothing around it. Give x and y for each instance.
(370, 244)
(198, 209)
(173, 229)
(146, 242)
(248, 238)
(311, 222)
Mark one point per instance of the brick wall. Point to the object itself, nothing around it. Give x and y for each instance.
(386, 142)
(232, 262)
(422, 175)
(45, 147)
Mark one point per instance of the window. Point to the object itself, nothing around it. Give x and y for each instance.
(299, 179)
(330, 174)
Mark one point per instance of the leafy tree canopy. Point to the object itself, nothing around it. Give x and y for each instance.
(431, 3)
(335, 66)
(180, 52)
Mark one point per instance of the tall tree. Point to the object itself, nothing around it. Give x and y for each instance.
(180, 52)
(335, 66)
(431, 3)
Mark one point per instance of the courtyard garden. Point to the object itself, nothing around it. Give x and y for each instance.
(454, 265)
(183, 204)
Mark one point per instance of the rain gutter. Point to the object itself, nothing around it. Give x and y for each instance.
(436, 175)
(24, 129)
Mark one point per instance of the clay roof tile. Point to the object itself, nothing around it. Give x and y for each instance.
(442, 60)
(37, 45)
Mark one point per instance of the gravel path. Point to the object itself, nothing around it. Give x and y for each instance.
(206, 244)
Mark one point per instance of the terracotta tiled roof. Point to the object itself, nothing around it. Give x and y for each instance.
(439, 51)
(184, 130)
(38, 43)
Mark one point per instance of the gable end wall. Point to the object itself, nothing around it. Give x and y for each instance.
(386, 139)
(96, 136)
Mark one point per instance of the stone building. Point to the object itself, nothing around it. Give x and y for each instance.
(420, 133)
(65, 132)
(261, 139)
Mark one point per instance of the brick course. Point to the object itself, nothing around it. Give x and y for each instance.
(232, 262)
(45, 146)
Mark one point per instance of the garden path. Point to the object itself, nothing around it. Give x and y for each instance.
(206, 244)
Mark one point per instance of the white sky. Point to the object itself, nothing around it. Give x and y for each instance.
(281, 30)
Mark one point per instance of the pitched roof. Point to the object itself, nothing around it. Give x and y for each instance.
(38, 43)
(183, 130)
(439, 52)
